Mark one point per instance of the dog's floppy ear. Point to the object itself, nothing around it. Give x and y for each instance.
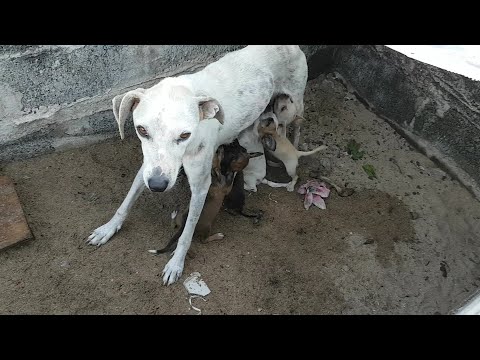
(269, 142)
(210, 108)
(122, 106)
(220, 153)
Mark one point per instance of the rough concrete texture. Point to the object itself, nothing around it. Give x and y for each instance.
(404, 243)
(53, 97)
(56, 97)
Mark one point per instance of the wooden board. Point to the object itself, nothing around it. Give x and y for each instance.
(13, 224)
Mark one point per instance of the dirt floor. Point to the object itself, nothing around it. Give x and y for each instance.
(404, 243)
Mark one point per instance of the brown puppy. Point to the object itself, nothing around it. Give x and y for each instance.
(227, 162)
(236, 159)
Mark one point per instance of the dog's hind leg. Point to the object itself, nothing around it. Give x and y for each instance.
(102, 234)
(297, 122)
(297, 126)
(291, 167)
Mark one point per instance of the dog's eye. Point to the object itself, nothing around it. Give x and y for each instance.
(141, 130)
(185, 135)
(284, 107)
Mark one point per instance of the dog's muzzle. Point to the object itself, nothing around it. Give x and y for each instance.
(158, 182)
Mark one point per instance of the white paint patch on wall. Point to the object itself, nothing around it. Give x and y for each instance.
(460, 59)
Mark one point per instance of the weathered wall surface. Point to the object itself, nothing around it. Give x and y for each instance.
(435, 109)
(55, 97)
(52, 97)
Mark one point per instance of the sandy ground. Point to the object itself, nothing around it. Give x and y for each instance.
(405, 243)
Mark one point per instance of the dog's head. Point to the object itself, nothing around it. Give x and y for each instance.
(166, 118)
(268, 128)
(235, 158)
(284, 108)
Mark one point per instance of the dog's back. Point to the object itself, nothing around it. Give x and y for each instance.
(245, 81)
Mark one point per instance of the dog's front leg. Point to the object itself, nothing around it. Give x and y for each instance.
(199, 177)
(296, 134)
(101, 235)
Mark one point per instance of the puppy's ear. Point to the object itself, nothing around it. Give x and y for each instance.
(124, 104)
(220, 153)
(217, 162)
(210, 108)
(269, 142)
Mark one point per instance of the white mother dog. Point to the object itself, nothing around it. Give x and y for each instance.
(182, 120)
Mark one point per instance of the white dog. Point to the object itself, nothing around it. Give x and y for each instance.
(182, 121)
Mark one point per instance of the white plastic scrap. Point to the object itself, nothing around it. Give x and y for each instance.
(196, 287)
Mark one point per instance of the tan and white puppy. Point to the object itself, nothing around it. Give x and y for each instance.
(280, 147)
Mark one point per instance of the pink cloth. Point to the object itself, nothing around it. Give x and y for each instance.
(314, 193)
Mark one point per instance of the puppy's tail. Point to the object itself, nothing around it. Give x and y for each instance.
(173, 241)
(306, 153)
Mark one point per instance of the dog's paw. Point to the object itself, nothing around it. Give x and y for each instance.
(173, 270)
(101, 235)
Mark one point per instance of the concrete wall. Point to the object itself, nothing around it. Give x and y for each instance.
(52, 97)
(55, 97)
(438, 111)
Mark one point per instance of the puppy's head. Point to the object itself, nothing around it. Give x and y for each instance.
(284, 108)
(268, 128)
(267, 123)
(167, 119)
(236, 157)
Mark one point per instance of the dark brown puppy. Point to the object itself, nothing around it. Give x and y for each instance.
(236, 157)
(227, 162)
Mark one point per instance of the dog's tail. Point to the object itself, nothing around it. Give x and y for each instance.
(306, 153)
(173, 241)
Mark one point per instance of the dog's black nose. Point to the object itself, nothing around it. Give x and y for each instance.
(158, 183)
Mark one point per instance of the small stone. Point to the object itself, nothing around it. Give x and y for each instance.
(414, 215)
